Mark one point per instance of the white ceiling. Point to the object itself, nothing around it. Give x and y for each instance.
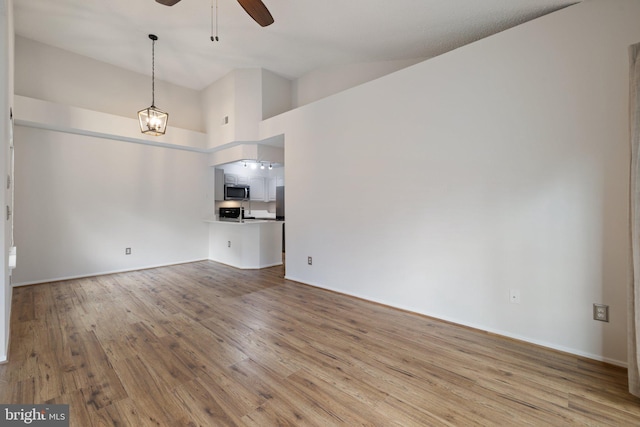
(306, 35)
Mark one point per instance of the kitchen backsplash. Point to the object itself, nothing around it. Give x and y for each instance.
(263, 206)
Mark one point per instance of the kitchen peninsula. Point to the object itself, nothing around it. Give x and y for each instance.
(250, 244)
(247, 228)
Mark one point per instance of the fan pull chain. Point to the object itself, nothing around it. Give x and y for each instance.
(214, 38)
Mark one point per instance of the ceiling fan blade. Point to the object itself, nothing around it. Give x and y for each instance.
(257, 10)
(168, 2)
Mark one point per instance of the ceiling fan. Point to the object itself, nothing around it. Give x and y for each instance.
(255, 8)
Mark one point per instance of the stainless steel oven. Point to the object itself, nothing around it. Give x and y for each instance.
(231, 214)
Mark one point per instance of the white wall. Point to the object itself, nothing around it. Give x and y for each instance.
(51, 74)
(89, 184)
(80, 201)
(237, 97)
(324, 82)
(33, 112)
(248, 103)
(501, 165)
(233, 154)
(6, 101)
(276, 94)
(217, 102)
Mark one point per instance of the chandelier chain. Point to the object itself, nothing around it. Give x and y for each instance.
(153, 73)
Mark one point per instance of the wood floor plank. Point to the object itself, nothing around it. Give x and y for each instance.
(152, 398)
(93, 372)
(83, 414)
(203, 344)
(291, 408)
(234, 398)
(402, 414)
(205, 409)
(324, 398)
(123, 413)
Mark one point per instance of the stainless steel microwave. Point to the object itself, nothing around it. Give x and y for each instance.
(236, 192)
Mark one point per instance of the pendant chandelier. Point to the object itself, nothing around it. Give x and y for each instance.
(152, 120)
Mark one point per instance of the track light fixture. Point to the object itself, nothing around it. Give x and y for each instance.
(255, 164)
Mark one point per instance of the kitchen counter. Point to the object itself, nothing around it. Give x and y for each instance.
(246, 221)
(252, 244)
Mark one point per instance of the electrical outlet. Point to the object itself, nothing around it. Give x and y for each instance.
(601, 312)
(514, 296)
(127, 251)
(309, 260)
(228, 243)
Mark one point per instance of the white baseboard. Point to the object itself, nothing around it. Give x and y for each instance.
(246, 267)
(102, 273)
(545, 344)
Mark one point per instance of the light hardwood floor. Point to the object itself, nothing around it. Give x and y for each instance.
(203, 344)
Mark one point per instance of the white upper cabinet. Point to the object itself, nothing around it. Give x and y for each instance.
(257, 188)
(233, 179)
(271, 190)
(263, 183)
(230, 179)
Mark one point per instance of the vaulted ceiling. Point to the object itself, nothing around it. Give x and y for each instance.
(307, 35)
